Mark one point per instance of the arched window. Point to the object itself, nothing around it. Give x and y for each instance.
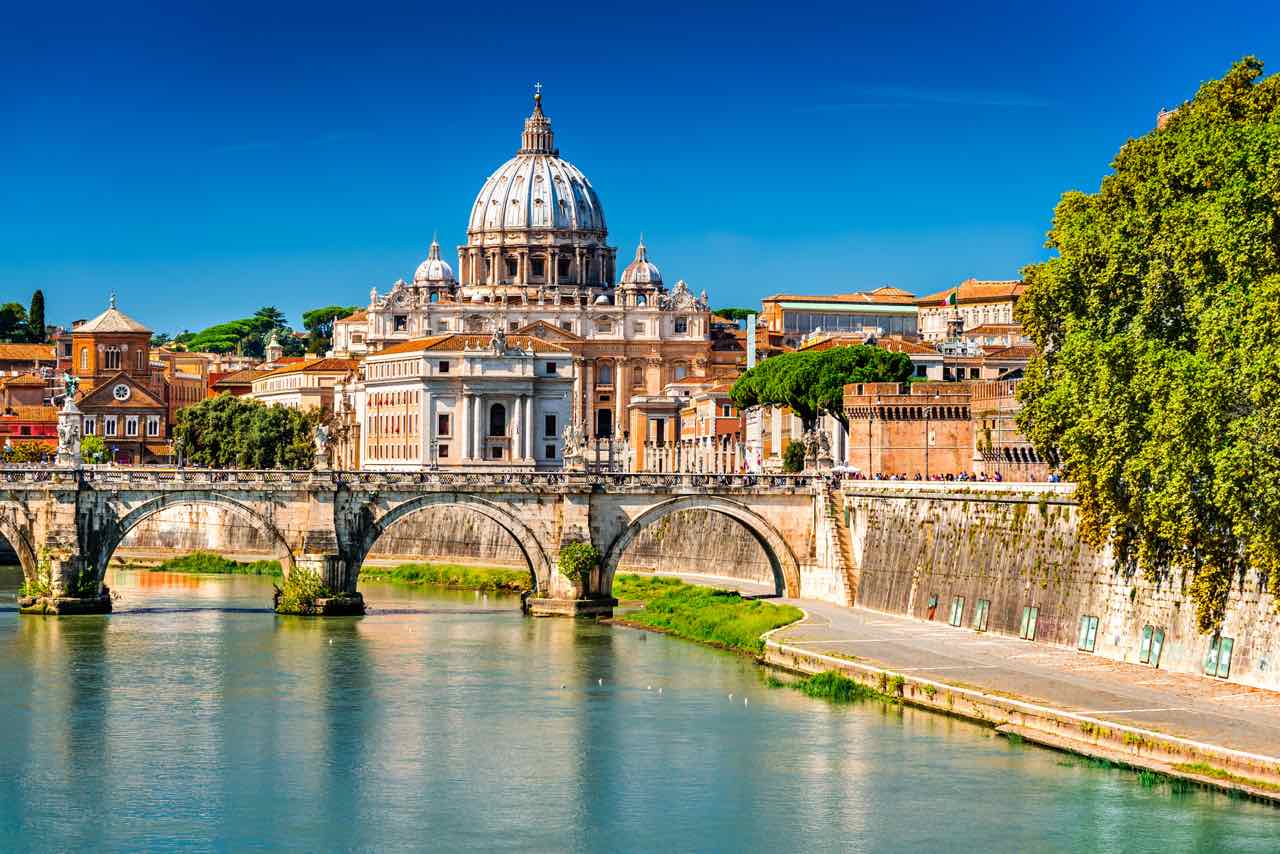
(497, 420)
(604, 373)
(84, 359)
(111, 359)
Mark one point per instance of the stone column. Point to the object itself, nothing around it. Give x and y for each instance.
(463, 426)
(532, 429)
(479, 426)
(553, 275)
(426, 428)
(588, 400)
(518, 426)
(619, 386)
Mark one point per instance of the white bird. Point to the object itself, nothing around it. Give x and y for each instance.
(330, 641)
(659, 690)
(745, 701)
(730, 696)
(648, 687)
(599, 681)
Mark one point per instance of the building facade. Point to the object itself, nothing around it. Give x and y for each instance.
(883, 311)
(967, 307)
(537, 263)
(461, 400)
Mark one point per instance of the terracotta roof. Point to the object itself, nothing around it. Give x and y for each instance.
(315, 366)
(111, 320)
(994, 329)
(886, 294)
(458, 342)
(24, 381)
(902, 345)
(972, 290)
(354, 317)
(240, 377)
(1019, 352)
(32, 413)
(27, 353)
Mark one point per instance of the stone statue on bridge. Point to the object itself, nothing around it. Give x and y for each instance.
(322, 446)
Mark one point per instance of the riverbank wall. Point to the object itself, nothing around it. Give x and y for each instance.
(1007, 558)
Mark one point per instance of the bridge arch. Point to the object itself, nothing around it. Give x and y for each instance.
(525, 539)
(786, 569)
(118, 531)
(21, 544)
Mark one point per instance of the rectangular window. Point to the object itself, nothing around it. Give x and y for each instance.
(1088, 635)
(726, 411)
(551, 369)
(131, 425)
(1030, 617)
(442, 424)
(442, 452)
(1144, 650)
(153, 425)
(443, 366)
(549, 425)
(401, 322)
(980, 615)
(566, 325)
(550, 452)
(142, 361)
(933, 606)
(957, 610)
(109, 425)
(682, 325)
(495, 453)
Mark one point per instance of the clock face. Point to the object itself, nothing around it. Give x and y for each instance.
(120, 392)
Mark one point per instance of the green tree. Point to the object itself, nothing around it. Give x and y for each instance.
(93, 449)
(812, 383)
(793, 457)
(27, 451)
(13, 323)
(736, 313)
(35, 317)
(319, 322)
(159, 339)
(235, 432)
(1158, 327)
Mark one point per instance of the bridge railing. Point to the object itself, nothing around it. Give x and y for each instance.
(156, 477)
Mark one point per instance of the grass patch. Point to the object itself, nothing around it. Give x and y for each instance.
(209, 563)
(718, 617)
(451, 575)
(838, 688)
(1206, 770)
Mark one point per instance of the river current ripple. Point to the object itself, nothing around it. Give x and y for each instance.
(195, 719)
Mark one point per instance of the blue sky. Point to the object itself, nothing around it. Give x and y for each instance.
(208, 160)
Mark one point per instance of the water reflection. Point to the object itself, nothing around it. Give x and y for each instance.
(194, 718)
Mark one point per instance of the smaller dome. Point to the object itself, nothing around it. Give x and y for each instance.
(642, 271)
(477, 298)
(434, 270)
(603, 299)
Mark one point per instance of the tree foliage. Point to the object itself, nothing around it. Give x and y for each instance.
(793, 457)
(28, 451)
(736, 313)
(235, 432)
(35, 318)
(812, 383)
(13, 323)
(319, 322)
(93, 449)
(1158, 327)
(247, 336)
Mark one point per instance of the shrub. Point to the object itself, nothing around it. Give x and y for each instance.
(577, 559)
(299, 593)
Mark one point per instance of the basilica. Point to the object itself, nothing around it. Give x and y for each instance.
(536, 276)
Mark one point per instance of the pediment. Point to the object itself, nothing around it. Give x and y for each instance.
(103, 394)
(547, 332)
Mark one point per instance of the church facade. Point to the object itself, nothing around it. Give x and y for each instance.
(537, 264)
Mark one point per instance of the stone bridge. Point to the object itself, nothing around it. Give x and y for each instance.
(65, 523)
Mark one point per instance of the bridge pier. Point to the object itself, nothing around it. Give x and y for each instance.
(332, 571)
(65, 585)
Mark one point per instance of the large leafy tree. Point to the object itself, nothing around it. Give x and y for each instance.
(812, 383)
(235, 432)
(13, 323)
(247, 336)
(1158, 328)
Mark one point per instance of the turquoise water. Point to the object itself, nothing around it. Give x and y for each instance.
(195, 719)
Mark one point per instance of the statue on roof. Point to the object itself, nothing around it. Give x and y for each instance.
(71, 384)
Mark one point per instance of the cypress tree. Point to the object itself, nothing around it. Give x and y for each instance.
(35, 317)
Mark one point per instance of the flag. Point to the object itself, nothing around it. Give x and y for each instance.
(951, 298)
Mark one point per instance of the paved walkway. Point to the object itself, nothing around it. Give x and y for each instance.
(1209, 710)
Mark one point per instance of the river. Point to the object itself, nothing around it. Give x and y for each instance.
(195, 719)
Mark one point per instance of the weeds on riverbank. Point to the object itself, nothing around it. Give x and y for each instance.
(452, 575)
(718, 617)
(210, 563)
(1206, 770)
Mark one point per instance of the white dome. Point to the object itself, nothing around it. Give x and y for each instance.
(434, 270)
(642, 271)
(536, 189)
